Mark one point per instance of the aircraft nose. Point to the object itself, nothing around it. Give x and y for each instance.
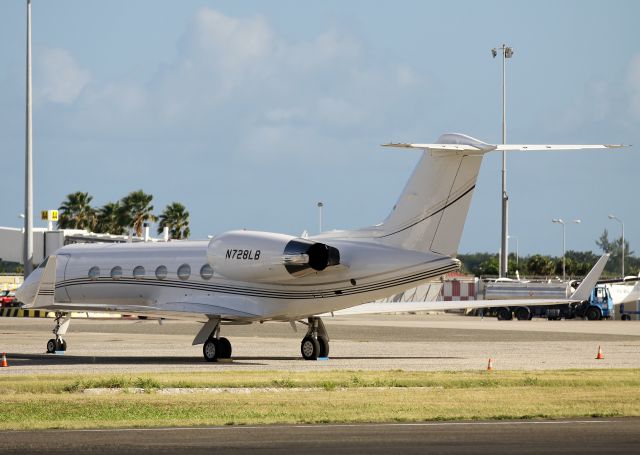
(26, 293)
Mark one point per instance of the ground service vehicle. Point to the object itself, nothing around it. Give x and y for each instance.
(598, 306)
(625, 315)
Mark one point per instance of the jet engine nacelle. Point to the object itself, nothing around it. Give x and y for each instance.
(268, 257)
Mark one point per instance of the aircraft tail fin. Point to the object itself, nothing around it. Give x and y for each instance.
(586, 286)
(431, 211)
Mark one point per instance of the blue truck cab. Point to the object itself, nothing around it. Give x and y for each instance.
(599, 305)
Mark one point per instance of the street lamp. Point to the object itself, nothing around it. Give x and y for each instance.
(613, 217)
(514, 237)
(507, 52)
(560, 221)
(320, 205)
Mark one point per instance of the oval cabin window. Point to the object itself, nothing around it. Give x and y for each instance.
(184, 271)
(138, 272)
(94, 272)
(116, 273)
(206, 272)
(161, 272)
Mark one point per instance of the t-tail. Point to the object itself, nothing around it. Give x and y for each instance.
(431, 211)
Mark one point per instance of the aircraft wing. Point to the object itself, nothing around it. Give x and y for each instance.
(406, 307)
(582, 293)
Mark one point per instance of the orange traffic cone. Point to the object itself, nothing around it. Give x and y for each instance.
(600, 355)
(490, 364)
(4, 360)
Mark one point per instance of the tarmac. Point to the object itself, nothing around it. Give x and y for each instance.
(431, 342)
(611, 436)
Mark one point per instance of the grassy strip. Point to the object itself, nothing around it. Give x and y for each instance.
(329, 380)
(351, 397)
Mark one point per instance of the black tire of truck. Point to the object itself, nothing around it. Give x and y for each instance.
(593, 314)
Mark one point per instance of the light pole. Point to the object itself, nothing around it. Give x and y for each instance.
(28, 184)
(507, 52)
(516, 238)
(560, 221)
(320, 205)
(613, 217)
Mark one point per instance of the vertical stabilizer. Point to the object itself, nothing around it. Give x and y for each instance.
(432, 209)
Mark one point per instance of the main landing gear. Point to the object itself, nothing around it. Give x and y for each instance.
(316, 342)
(58, 344)
(214, 346)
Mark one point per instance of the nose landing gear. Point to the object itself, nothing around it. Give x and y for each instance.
(58, 344)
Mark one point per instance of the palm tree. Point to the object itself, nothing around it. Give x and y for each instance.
(176, 218)
(137, 210)
(76, 212)
(110, 219)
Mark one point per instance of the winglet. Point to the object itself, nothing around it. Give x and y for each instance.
(584, 290)
(47, 286)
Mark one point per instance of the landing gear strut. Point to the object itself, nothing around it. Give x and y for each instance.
(215, 347)
(58, 344)
(316, 342)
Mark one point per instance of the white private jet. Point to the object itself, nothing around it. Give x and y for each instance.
(241, 277)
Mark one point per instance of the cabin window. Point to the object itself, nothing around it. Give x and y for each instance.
(116, 272)
(138, 272)
(94, 272)
(161, 272)
(206, 272)
(184, 271)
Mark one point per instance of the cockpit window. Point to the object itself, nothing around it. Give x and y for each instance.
(43, 264)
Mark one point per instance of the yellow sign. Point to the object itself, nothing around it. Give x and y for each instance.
(49, 215)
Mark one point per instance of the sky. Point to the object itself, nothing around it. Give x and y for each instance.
(251, 112)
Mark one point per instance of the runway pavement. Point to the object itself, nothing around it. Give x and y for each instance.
(620, 436)
(408, 342)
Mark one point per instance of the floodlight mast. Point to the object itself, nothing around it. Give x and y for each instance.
(507, 52)
(563, 223)
(28, 196)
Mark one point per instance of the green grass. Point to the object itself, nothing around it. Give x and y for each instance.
(58, 401)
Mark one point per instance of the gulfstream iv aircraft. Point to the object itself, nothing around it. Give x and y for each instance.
(241, 277)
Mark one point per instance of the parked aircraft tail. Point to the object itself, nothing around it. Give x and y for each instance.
(431, 211)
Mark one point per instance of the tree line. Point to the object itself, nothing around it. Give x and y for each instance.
(126, 215)
(577, 263)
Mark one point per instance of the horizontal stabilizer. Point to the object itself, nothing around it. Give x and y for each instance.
(540, 147)
(457, 142)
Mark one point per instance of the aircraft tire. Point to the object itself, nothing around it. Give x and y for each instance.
(61, 345)
(210, 350)
(324, 346)
(224, 348)
(310, 348)
(51, 346)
